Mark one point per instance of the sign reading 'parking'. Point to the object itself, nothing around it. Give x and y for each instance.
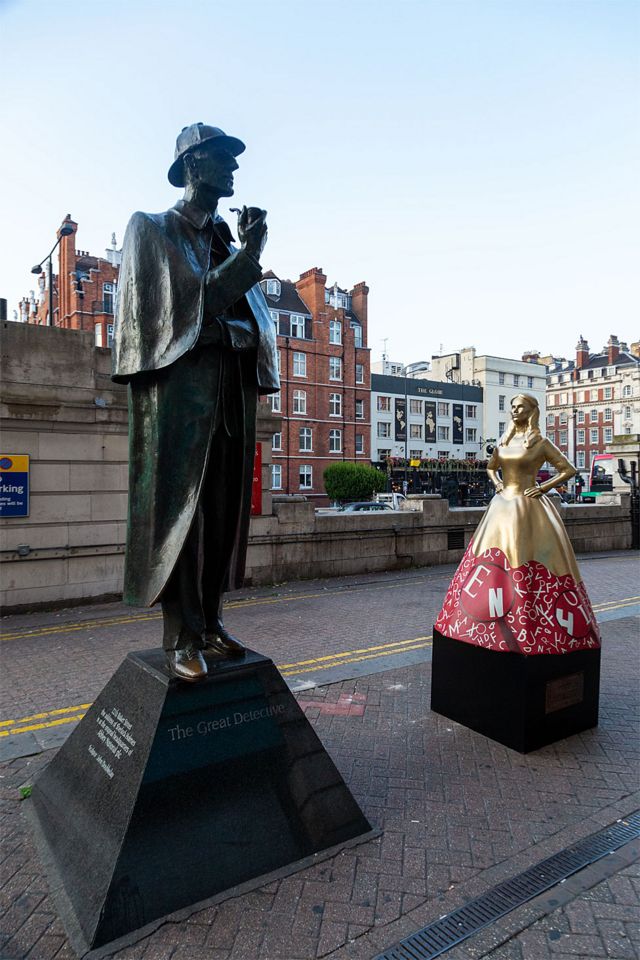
(14, 485)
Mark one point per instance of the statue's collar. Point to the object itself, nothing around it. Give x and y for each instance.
(199, 218)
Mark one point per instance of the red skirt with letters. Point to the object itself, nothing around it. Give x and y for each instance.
(523, 610)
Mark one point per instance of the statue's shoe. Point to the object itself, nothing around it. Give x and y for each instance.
(221, 641)
(187, 663)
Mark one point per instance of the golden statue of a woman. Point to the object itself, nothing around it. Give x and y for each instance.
(518, 587)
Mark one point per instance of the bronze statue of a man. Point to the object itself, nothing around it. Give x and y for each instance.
(196, 345)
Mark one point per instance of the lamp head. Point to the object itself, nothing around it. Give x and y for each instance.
(65, 230)
(37, 268)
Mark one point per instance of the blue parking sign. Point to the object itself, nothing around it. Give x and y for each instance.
(14, 485)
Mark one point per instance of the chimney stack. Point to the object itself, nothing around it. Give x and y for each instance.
(582, 353)
(311, 286)
(613, 350)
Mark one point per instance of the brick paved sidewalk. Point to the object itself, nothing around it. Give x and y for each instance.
(459, 814)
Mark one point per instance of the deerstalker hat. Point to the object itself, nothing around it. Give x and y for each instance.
(193, 136)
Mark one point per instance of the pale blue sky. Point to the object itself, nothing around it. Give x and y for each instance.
(475, 161)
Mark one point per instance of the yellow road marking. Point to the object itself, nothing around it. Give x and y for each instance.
(41, 726)
(41, 716)
(310, 665)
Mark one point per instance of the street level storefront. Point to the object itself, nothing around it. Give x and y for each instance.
(464, 483)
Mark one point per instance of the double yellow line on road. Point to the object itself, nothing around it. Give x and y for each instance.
(64, 715)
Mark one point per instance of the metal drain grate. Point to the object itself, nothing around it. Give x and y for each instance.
(440, 936)
(455, 539)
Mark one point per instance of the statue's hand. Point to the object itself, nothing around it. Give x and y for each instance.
(534, 491)
(499, 486)
(252, 230)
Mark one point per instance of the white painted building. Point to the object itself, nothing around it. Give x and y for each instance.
(499, 378)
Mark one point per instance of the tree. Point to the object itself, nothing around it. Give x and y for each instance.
(353, 481)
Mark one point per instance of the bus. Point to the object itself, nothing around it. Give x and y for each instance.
(603, 476)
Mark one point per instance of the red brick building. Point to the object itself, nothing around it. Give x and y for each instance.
(326, 379)
(84, 290)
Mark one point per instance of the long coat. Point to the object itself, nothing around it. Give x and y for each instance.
(174, 382)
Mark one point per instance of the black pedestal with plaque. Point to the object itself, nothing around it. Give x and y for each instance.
(522, 702)
(169, 793)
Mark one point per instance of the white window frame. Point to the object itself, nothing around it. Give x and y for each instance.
(359, 407)
(415, 406)
(384, 429)
(297, 322)
(300, 401)
(276, 476)
(593, 435)
(276, 441)
(305, 440)
(383, 404)
(415, 431)
(305, 476)
(274, 287)
(275, 402)
(335, 440)
(443, 432)
(335, 368)
(608, 434)
(335, 331)
(359, 372)
(299, 364)
(335, 404)
(359, 443)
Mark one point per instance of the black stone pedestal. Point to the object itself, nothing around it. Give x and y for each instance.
(169, 793)
(522, 702)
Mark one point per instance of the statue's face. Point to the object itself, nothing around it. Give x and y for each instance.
(214, 169)
(520, 411)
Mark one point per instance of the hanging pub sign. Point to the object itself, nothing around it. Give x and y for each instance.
(401, 419)
(14, 485)
(458, 423)
(430, 421)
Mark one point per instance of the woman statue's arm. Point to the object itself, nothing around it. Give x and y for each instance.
(565, 469)
(492, 472)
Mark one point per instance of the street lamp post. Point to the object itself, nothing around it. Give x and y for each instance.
(65, 230)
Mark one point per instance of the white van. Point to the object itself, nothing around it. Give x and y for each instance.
(395, 500)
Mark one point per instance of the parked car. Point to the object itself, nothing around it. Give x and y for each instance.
(366, 506)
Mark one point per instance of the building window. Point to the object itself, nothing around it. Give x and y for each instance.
(108, 293)
(530, 382)
(306, 476)
(627, 413)
(593, 416)
(472, 411)
(335, 404)
(359, 373)
(608, 413)
(274, 402)
(580, 458)
(384, 429)
(300, 401)
(501, 399)
(335, 441)
(279, 361)
(516, 380)
(384, 454)
(626, 390)
(273, 288)
(501, 379)
(335, 331)
(384, 403)
(501, 428)
(593, 435)
(335, 368)
(297, 326)
(276, 441)
(443, 454)
(275, 316)
(359, 442)
(608, 434)
(415, 454)
(550, 419)
(608, 393)
(551, 436)
(443, 433)
(306, 439)
(563, 438)
(471, 455)
(471, 435)
(109, 334)
(415, 431)
(357, 334)
(580, 416)
(580, 436)
(359, 409)
(299, 364)
(98, 334)
(415, 406)
(276, 476)
(563, 418)
(443, 409)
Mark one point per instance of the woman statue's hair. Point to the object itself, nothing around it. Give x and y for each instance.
(532, 433)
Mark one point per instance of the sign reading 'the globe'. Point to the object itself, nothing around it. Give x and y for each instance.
(14, 485)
